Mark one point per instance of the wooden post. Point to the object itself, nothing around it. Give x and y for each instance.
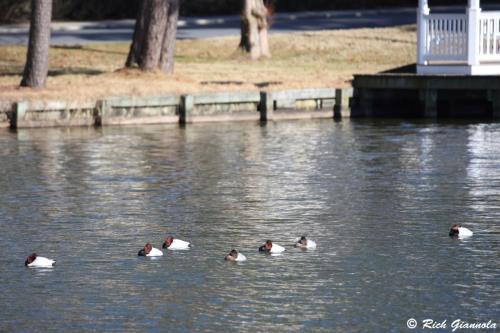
(186, 109)
(18, 114)
(423, 11)
(342, 97)
(494, 98)
(100, 112)
(266, 106)
(473, 16)
(430, 103)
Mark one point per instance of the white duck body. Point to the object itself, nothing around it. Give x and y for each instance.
(464, 232)
(178, 244)
(154, 253)
(42, 262)
(277, 248)
(240, 258)
(310, 245)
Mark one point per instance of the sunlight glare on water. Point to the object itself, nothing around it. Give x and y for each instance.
(377, 196)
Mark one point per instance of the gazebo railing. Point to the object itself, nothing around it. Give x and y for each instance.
(489, 36)
(445, 37)
(460, 43)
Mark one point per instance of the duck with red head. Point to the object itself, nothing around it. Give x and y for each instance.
(172, 243)
(305, 243)
(36, 261)
(269, 247)
(235, 256)
(458, 231)
(149, 251)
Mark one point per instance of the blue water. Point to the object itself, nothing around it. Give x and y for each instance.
(377, 196)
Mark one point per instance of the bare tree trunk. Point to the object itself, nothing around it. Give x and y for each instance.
(136, 46)
(245, 35)
(168, 49)
(37, 59)
(254, 29)
(245, 30)
(155, 24)
(155, 34)
(263, 40)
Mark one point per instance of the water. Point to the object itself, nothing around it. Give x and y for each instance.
(378, 197)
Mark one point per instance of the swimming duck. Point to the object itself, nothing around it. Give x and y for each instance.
(172, 243)
(235, 256)
(269, 247)
(305, 243)
(35, 261)
(458, 231)
(149, 251)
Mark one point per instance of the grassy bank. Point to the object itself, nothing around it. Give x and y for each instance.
(312, 59)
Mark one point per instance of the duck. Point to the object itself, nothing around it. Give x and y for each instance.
(305, 243)
(269, 247)
(234, 255)
(36, 261)
(172, 243)
(458, 231)
(149, 251)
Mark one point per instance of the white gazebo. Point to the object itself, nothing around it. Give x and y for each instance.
(458, 44)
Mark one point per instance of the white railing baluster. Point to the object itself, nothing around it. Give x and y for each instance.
(494, 37)
(489, 37)
(481, 37)
(455, 37)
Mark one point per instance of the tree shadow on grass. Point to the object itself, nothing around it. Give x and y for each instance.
(267, 84)
(11, 70)
(74, 71)
(239, 83)
(86, 48)
(18, 71)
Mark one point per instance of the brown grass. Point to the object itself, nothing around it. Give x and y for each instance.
(312, 59)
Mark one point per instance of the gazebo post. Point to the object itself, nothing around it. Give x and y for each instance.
(473, 15)
(423, 11)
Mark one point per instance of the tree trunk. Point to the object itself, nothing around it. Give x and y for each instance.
(254, 29)
(37, 59)
(168, 49)
(245, 36)
(135, 48)
(155, 34)
(245, 30)
(155, 20)
(263, 40)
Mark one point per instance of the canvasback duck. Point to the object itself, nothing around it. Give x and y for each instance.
(35, 261)
(172, 243)
(235, 256)
(269, 247)
(305, 243)
(458, 231)
(149, 251)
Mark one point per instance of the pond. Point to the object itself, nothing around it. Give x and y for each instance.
(378, 197)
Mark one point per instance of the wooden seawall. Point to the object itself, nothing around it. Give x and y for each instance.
(183, 109)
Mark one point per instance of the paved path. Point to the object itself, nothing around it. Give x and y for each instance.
(71, 33)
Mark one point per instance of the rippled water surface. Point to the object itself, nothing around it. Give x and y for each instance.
(378, 197)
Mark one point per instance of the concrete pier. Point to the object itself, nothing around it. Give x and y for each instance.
(430, 96)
